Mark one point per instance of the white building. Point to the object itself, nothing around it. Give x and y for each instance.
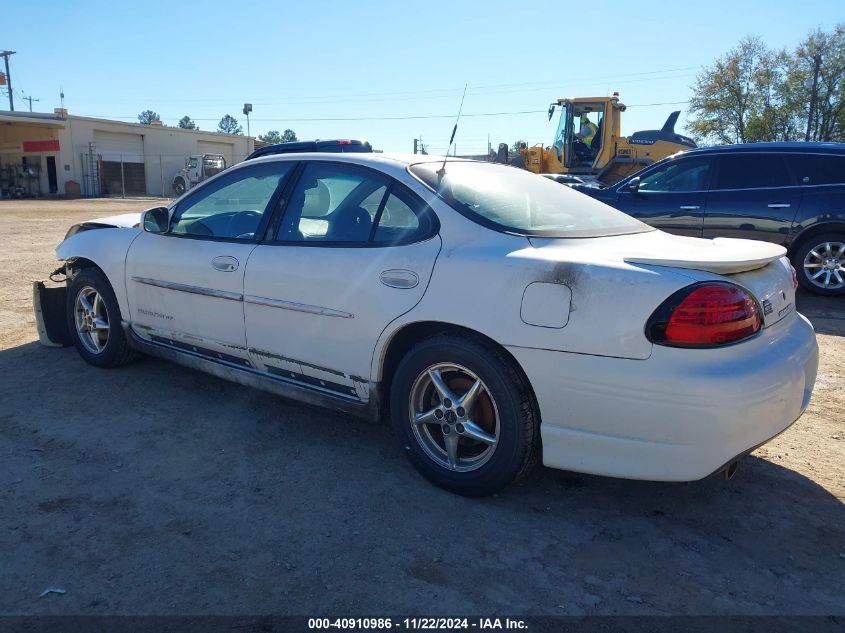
(42, 152)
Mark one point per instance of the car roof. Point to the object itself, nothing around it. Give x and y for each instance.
(794, 147)
(363, 158)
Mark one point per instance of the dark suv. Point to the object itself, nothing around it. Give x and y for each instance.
(335, 146)
(792, 194)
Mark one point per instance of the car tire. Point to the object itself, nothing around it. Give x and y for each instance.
(94, 320)
(813, 255)
(178, 187)
(487, 445)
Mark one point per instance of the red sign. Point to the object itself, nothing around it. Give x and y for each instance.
(30, 147)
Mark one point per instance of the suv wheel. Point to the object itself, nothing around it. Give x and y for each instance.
(820, 264)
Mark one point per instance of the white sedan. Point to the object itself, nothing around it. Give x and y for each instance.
(493, 315)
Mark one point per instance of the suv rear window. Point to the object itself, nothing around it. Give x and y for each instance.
(751, 171)
(818, 169)
(516, 201)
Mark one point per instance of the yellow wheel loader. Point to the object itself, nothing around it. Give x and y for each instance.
(589, 144)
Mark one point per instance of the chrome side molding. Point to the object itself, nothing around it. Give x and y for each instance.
(197, 290)
(297, 307)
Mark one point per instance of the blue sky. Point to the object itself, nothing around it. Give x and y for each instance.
(298, 62)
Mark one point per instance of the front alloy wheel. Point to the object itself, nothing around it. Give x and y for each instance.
(92, 320)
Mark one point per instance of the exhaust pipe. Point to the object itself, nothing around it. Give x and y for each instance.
(730, 470)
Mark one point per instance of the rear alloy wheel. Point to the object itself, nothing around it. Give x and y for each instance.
(464, 414)
(821, 264)
(454, 417)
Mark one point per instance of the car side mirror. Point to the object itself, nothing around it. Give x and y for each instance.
(156, 220)
(634, 185)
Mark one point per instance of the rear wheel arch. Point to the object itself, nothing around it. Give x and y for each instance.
(406, 337)
(812, 231)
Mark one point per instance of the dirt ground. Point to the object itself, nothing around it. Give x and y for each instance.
(157, 490)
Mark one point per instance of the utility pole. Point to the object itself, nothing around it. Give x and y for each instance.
(5, 55)
(817, 62)
(247, 110)
(30, 99)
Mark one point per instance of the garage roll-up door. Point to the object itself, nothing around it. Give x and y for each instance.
(227, 150)
(116, 149)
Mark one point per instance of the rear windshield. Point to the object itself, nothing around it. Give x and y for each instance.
(516, 201)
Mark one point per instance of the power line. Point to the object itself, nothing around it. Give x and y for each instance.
(396, 118)
(443, 92)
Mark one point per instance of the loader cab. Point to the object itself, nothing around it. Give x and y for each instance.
(579, 134)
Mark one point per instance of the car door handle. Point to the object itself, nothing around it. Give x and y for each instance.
(225, 264)
(399, 278)
(690, 207)
(779, 205)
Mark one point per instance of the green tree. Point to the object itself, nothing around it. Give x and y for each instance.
(187, 123)
(724, 94)
(229, 125)
(754, 93)
(273, 136)
(148, 116)
(829, 117)
(516, 145)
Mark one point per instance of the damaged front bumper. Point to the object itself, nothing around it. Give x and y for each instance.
(50, 307)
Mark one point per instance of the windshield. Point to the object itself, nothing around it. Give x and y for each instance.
(516, 201)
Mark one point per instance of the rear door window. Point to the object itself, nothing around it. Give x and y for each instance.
(339, 203)
(752, 171)
(818, 169)
(402, 217)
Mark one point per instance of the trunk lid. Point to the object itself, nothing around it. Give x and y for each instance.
(761, 268)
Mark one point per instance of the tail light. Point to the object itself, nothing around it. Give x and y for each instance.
(709, 314)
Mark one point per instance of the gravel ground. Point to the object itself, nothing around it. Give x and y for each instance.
(157, 490)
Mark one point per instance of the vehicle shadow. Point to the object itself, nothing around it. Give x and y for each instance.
(154, 489)
(827, 314)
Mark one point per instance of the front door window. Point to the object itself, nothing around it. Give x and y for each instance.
(232, 206)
